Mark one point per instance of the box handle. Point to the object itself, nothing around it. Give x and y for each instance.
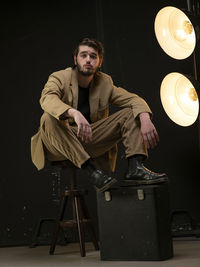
(140, 193)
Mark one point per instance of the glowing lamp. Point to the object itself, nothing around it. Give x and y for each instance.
(175, 32)
(179, 98)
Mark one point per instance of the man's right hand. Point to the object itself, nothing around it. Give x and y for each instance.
(84, 128)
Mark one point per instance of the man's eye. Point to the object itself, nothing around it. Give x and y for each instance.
(93, 56)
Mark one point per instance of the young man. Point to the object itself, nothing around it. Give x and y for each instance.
(76, 125)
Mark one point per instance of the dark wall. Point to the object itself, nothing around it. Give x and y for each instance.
(38, 40)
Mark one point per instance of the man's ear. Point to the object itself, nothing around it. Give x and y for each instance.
(75, 61)
(100, 62)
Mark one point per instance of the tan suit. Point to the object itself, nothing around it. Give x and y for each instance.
(61, 93)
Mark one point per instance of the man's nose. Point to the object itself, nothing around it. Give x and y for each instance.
(88, 58)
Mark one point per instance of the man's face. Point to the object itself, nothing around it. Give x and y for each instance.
(87, 60)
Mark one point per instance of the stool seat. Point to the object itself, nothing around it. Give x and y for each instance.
(75, 192)
(80, 213)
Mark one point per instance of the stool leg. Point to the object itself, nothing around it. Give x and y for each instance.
(90, 225)
(59, 218)
(79, 225)
(35, 241)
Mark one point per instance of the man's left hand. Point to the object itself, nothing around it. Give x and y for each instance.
(149, 134)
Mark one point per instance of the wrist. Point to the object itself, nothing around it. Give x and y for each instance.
(144, 115)
(68, 113)
(71, 112)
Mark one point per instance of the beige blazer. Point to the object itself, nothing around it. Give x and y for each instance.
(61, 93)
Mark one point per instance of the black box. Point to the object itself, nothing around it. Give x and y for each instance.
(134, 223)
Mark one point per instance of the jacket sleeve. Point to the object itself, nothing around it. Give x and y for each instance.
(51, 97)
(122, 98)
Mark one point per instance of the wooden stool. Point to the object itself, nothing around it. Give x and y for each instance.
(80, 214)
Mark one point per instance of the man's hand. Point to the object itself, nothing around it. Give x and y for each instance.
(149, 134)
(84, 128)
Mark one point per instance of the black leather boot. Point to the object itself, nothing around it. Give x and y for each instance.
(101, 180)
(143, 176)
(98, 178)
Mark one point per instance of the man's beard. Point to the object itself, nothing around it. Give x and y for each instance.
(87, 72)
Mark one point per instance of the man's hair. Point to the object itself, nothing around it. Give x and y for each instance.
(91, 42)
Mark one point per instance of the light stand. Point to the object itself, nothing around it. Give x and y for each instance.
(177, 33)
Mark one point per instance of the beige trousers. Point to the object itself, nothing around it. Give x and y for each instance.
(61, 141)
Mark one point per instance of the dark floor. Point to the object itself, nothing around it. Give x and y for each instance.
(186, 254)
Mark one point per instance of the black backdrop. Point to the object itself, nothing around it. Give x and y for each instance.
(37, 40)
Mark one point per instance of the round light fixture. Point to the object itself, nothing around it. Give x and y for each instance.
(179, 98)
(175, 32)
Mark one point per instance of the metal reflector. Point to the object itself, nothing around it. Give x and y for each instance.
(179, 98)
(175, 32)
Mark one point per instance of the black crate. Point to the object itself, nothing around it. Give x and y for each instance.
(134, 223)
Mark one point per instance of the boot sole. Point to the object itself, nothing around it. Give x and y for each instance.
(145, 182)
(106, 186)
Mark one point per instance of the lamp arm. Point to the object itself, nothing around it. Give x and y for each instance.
(193, 9)
(189, 6)
(195, 66)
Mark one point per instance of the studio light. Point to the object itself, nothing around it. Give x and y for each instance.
(176, 32)
(179, 98)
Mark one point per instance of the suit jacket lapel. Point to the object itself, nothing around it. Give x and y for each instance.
(94, 98)
(74, 89)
